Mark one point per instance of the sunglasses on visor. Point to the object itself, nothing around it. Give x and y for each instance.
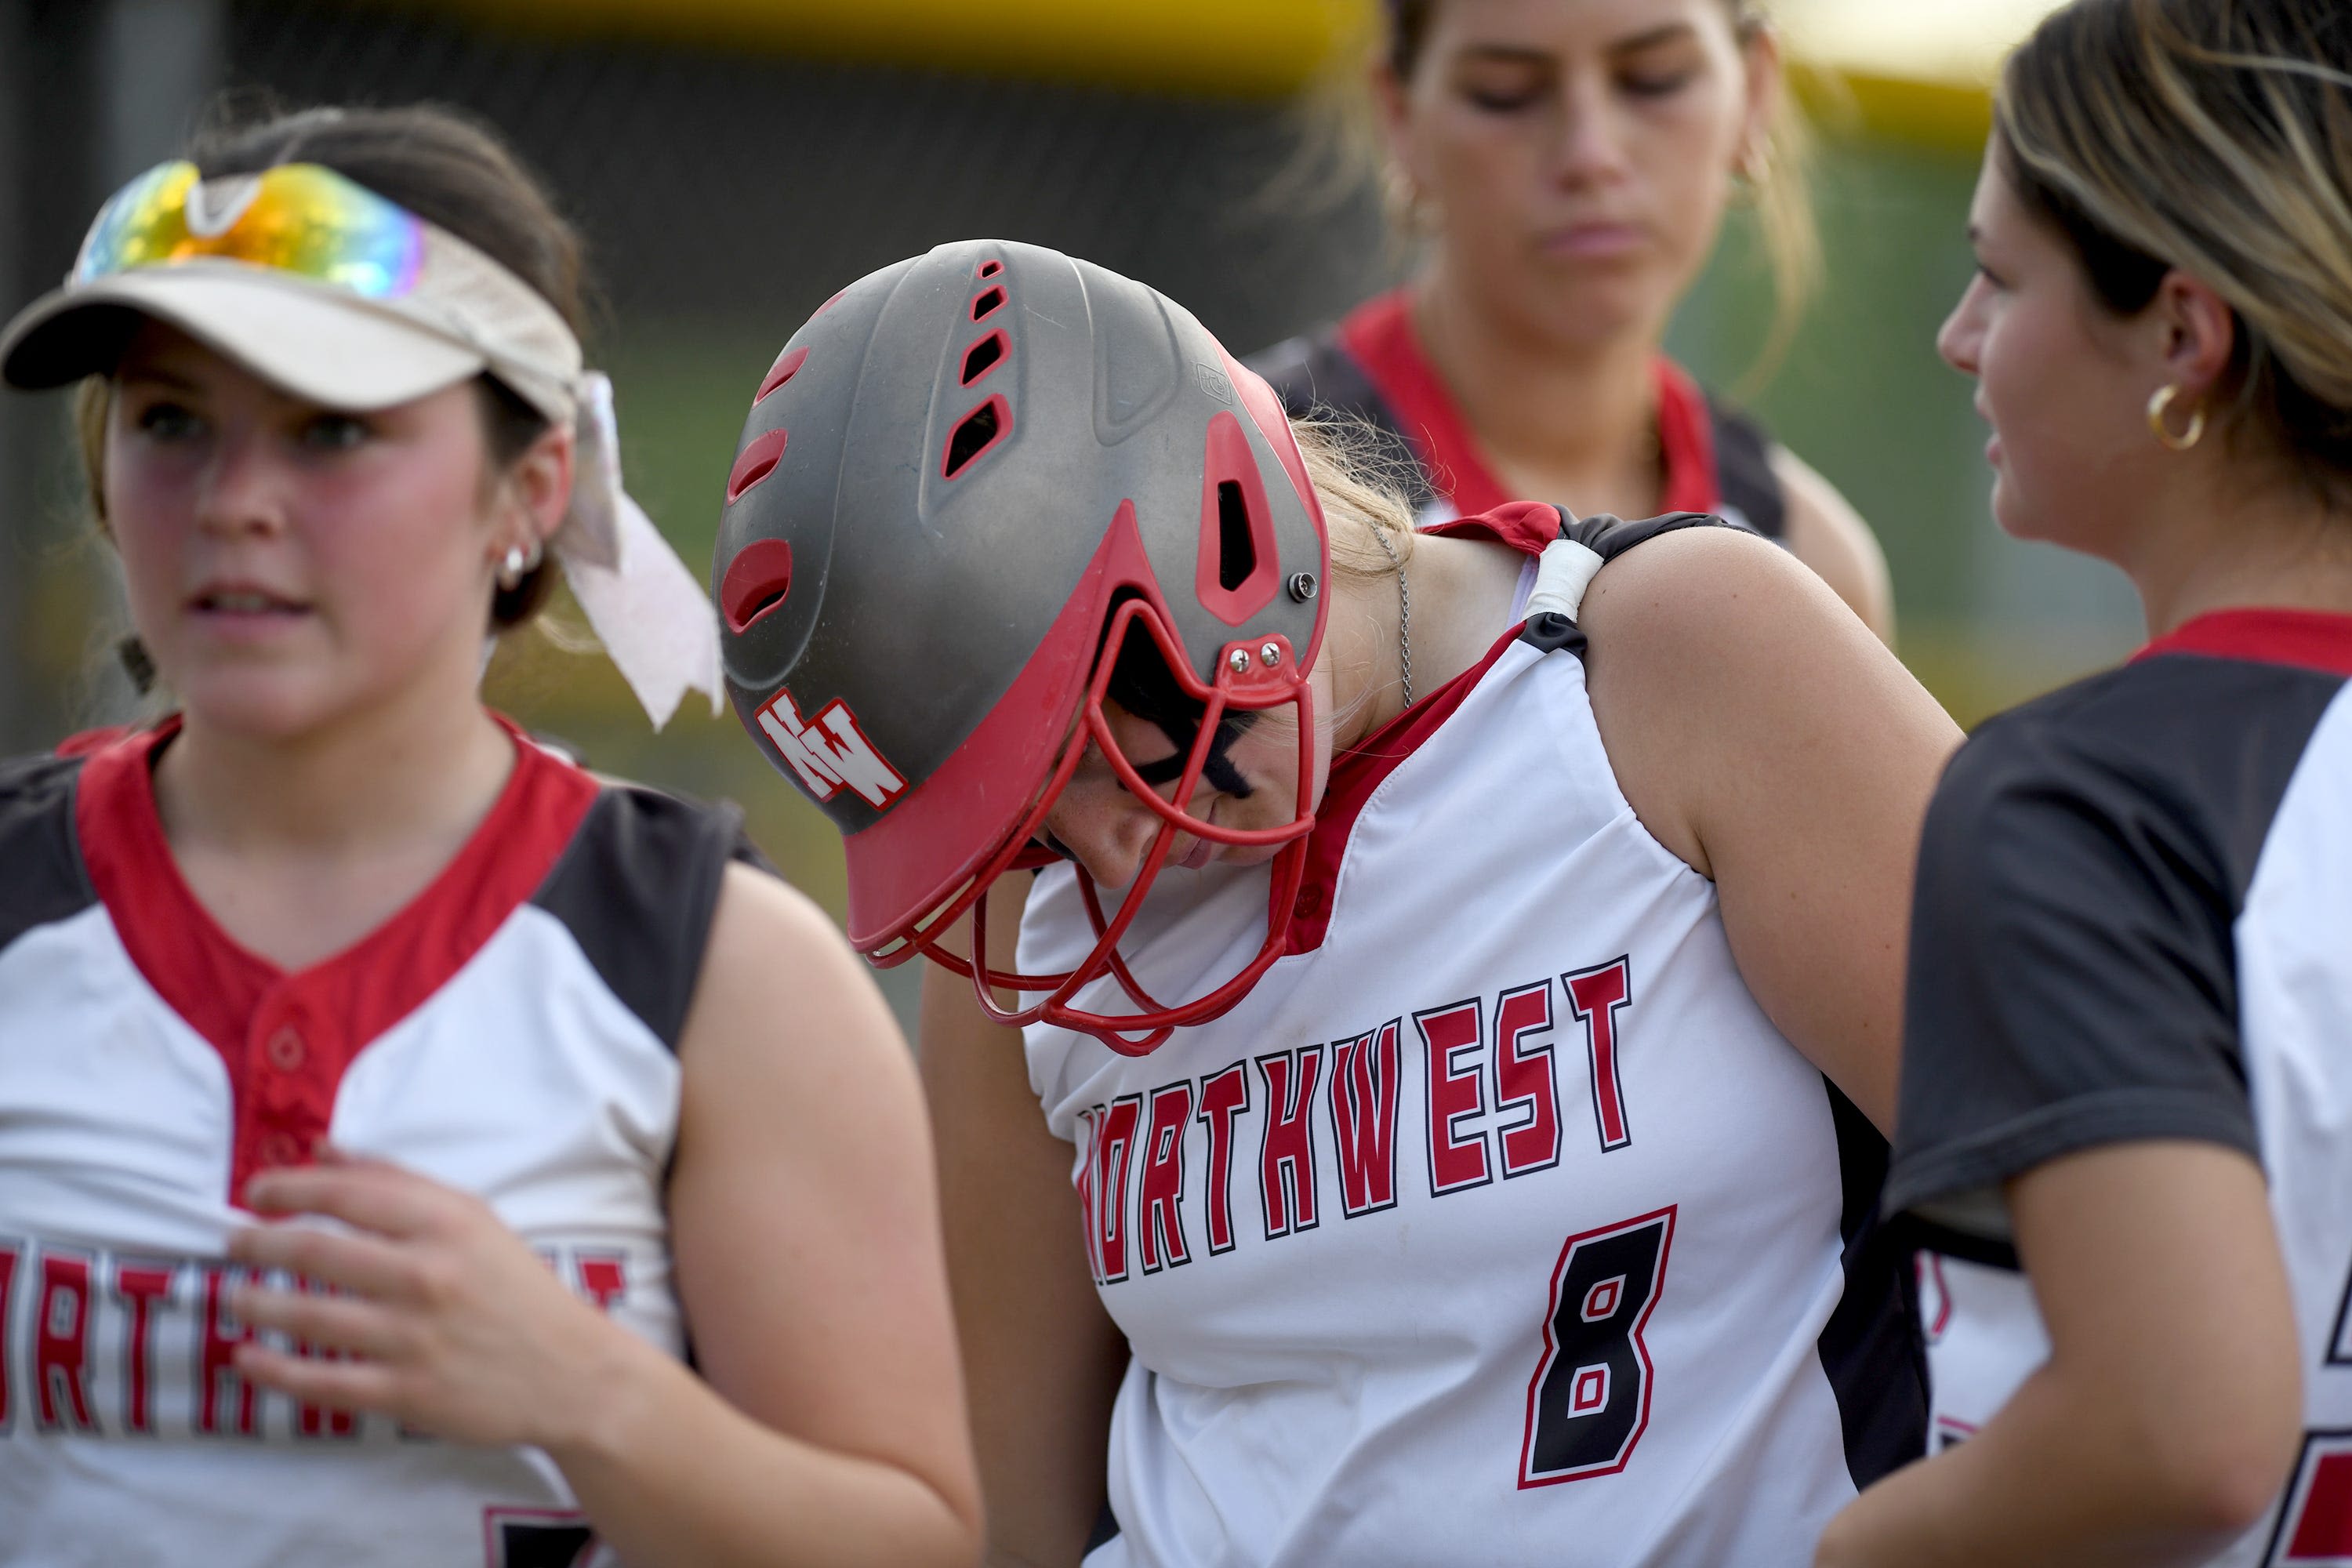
(298, 219)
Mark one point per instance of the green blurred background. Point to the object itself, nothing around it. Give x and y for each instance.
(734, 161)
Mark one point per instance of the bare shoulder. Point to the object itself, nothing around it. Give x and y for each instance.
(1829, 535)
(777, 978)
(1715, 656)
(1700, 589)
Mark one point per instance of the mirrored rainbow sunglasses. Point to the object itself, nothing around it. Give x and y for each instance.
(298, 219)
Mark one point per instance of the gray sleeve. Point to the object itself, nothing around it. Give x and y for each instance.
(2072, 976)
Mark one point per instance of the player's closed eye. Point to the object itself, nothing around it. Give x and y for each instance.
(167, 421)
(334, 433)
(1657, 84)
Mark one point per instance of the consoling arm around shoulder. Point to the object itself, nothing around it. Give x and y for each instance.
(2166, 1417)
(806, 1237)
(1764, 736)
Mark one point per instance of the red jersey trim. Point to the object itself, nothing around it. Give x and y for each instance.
(1379, 334)
(2307, 640)
(1527, 526)
(287, 1039)
(1524, 526)
(88, 742)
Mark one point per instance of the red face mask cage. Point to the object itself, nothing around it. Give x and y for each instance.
(1248, 681)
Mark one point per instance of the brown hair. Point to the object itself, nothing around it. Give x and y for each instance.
(448, 171)
(2217, 139)
(1782, 194)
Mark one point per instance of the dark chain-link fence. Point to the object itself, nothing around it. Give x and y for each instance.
(750, 187)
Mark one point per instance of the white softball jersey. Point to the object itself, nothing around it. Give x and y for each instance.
(511, 1032)
(1496, 1225)
(2132, 920)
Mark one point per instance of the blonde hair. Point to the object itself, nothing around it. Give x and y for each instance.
(1342, 127)
(2216, 139)
(1362, 483)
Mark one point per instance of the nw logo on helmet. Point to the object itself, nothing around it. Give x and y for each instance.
(831, 752)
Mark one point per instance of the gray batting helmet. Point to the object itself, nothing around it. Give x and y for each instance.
(969, 483)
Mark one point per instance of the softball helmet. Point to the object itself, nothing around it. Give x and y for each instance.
(973, 487)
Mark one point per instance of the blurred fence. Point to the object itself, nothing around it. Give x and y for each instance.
(725, 193)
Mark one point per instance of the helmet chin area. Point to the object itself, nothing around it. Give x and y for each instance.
(1254, 676)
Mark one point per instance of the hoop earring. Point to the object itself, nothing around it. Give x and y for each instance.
(2158, 405)
(519, 563)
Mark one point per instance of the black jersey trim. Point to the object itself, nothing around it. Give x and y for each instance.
(1610, 537)
(1917, 1233)
(1871, 1351)
(42, 878)
(2041, 1135)
(1317, 379)
(1744, 475)
(638, 887)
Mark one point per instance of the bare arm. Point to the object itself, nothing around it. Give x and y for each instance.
(2167, 1414)
(806, 1238)
(1827, 534)
(1042, 1358)
(1765, 737)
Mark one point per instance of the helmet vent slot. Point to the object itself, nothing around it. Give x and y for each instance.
(787, 365)
(978, 430)
(990, 269)
(983, 356)
(756, 462)
(756, 582)
(1236, 550)
(1237, 566)
(987, 304)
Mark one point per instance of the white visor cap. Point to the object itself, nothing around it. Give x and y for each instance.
(466, 315)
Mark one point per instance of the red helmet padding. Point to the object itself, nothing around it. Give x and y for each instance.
(1266, 411)
(787, 364)
(947, 828)
(756, 582)
(1229, 460)
(757, 460)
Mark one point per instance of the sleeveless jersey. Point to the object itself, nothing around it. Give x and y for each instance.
(1371, 366)
(1497, 1223)
(511, 1032)
(2134, 902)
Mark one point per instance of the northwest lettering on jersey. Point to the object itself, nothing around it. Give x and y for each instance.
(1492, 1111)
(105, 1345)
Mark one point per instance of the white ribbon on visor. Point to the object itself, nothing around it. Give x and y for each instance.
(643, 605)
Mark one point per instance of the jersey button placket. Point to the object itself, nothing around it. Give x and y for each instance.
(286, 1122)
(285, 1050)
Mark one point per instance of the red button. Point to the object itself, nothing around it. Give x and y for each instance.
(285, 1050)
(281, 1149)
(1309, 903)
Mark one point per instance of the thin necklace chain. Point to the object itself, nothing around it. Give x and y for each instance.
(1404, 616)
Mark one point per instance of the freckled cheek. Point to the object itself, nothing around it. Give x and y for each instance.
(404, 561)
(151, 522)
